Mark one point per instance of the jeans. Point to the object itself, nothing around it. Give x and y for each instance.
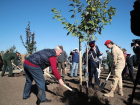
(35, 73)
(74, 66)
(84, 70)
(18, 61)
(130, 68)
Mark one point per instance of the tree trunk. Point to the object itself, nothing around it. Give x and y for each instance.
(80, 65)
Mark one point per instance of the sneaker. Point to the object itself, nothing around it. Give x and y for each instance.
(47, 100)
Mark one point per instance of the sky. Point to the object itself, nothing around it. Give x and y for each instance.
(15, 14)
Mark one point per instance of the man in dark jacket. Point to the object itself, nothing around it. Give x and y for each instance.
(34, 66)
(75, 62)
(93, 63)
(61, 62)
(109, 60)
(7, 61)
(1, 63)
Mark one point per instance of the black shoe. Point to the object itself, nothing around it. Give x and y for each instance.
(26, 98)
(47, 100)
(2, 75)
(10, 75)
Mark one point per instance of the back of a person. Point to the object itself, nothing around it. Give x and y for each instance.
(10, 56)
(62, 57)
(41, 58)
(120, 56)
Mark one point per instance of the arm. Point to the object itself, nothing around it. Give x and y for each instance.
(53, 63)
(114, 53)
(15, 60)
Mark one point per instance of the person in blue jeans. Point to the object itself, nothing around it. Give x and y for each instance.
(84, 59)
(75, 62)
(34, 66)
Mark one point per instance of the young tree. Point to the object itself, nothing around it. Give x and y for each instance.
(94, 16)
(11, 49)
(30, 44)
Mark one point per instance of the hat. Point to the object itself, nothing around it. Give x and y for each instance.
(107, 50)
(128, 55)
(76, 48)
(108, 41)
(91, 43)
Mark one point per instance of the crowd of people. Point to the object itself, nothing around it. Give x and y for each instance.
(119, 63)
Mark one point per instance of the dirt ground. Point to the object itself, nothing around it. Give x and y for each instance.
(11, 92)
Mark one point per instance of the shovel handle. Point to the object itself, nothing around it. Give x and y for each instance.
(67, 87)
(57, 81)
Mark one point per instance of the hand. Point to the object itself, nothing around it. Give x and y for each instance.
(137, 44)
(61, 82)
(98, 70)
(17, 67)
(101, 53)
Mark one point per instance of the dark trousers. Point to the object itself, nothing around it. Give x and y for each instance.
(92, 65)
(124, 72)
(35, 73)
(130, 63)
(1, 64)
(7, 62)
(61, 65)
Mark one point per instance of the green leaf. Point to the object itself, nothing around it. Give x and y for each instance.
(76, 21)
(73, 34)
(72, 16)
(71, 5)
(95, 38)
(71, 10)
(64, 23)
(93, 9)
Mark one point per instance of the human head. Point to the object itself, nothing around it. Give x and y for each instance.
(58, 50)
(92, 43)
(2, 52)
(109, 44)
(76, 49)
(107, 51)
(124, 50)
(17, 53)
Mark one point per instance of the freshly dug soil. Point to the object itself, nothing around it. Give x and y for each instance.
(11, 92)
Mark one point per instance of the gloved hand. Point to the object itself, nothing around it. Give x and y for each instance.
(98, 70)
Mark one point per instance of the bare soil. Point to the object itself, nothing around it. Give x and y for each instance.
(11, 92)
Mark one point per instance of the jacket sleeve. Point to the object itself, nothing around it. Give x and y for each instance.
(135, 49)
(15, 60)
(114, 53)
(71, 53)
(65, 57)
(98, 51)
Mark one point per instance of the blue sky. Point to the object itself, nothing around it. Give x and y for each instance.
(15, 14)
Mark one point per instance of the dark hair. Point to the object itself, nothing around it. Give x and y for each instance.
(61, 47)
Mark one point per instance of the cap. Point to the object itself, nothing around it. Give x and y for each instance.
(108, 41)
(128, 55)
(107, 50)
(76, 48)
(91, 43)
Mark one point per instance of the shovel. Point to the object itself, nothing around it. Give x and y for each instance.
(103, 84)
(57, 81)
